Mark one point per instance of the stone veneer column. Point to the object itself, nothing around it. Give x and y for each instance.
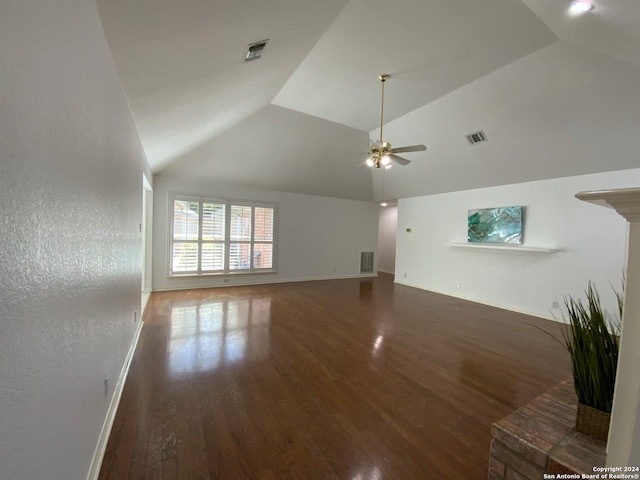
(623, 447)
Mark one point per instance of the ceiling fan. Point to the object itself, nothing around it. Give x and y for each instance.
(381, 153)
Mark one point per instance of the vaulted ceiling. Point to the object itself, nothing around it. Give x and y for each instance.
(556, 95)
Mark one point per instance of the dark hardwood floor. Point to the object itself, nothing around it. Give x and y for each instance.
(345, 379)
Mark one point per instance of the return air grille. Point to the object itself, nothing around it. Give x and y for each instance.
(476, 137)
(255, 50)
(366, 262)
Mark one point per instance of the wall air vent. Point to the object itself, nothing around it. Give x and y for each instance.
(255, 50)
(366, 262)
(476, 137)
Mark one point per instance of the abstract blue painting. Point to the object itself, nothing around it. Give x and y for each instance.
(495, 225)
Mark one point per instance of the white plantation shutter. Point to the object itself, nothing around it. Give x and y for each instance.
(263, 256)
(220, 236)
(241, 222)
(213, 221)
(185, 236)
(212, 257)
(213, 236)
(241, 233)
(263, 237)
(264, 224)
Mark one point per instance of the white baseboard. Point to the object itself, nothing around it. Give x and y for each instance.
(511, 308)
(261, 282)
(98, 454)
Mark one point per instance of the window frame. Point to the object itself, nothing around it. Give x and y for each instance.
(227, 242)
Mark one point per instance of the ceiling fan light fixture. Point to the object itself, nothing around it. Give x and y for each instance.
(369, 162)
(578, 7)
(388, 166)
(385, 160)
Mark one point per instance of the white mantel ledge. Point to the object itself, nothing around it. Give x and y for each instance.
(626, 201)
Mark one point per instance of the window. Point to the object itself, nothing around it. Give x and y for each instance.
(211, 236)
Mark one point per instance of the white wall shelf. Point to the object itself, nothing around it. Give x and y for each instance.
(517, 248)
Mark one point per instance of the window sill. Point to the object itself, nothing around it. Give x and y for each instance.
(222, 274)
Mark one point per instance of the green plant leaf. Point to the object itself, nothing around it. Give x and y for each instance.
(593, 348)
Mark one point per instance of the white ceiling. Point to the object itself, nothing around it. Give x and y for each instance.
(430, 47)
(272, 150)
(180, 62)
(556, 95)
(538, 126)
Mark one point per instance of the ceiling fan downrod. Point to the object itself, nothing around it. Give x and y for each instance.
(383, 78)
(381, 153)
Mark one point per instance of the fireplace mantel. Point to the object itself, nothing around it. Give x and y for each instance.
(623, 447)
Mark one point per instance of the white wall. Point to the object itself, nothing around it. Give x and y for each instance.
(314, 234)
(387, 239)
(591, 243)
(71, 180)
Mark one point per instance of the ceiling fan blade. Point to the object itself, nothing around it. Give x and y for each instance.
(399, 160)
(412, 148)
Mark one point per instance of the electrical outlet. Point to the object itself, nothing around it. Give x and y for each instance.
(106, 385)
(555, 305)
(459, 285)
(405, 274)
(334, 269)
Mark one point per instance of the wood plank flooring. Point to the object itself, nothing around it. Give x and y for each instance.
(345, 379)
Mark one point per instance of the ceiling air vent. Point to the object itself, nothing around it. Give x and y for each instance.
(476, 137)
(255, 50)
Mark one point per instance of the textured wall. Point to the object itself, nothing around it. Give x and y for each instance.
(71, 197)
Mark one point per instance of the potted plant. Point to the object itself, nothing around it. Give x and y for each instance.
(592, 342)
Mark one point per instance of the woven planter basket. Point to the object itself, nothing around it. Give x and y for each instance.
(593, 422)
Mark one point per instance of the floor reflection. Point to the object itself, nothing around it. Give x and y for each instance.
(369, 474)
(204, 336)
(377, 344)
(366, 289)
